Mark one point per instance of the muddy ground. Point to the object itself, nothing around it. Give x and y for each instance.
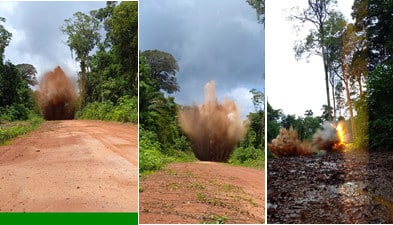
(202, 192)
(355, 187)
(71, 166)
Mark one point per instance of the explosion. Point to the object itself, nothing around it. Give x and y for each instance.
(213, 128)
(57, 96)
(330, 138)
(340, 143)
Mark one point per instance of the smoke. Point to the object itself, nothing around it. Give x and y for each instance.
(326, 139)
(214, 128)
(57, 96)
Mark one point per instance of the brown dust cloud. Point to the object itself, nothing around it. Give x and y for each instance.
(214, 128)
(57, 95)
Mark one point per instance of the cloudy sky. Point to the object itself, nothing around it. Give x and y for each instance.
(293, 86)
(36, 35)
(217, 40)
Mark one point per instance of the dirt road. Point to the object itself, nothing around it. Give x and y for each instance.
(200, 192)
(72, 165)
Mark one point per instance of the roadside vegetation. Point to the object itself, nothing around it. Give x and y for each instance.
(161, 140)
(107, 82)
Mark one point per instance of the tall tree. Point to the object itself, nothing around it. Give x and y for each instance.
(5, 38)
(83, 35)
(259, 6)
(28, 72)
(124, 38)
(317, 14)
(163, 69)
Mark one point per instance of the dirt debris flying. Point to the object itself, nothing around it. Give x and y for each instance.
(330, 138)
(214, 128)
(57, 95)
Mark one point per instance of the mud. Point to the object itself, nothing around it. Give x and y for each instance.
(57, 95)
(214, 128)
(352, 187)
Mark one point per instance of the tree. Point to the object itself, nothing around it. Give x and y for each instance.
(273, 125)
(257, 99)
(163, 69)
(5, 38)
(28, 72)
(114, 65)
(83, 35)
(317, 14)
(380, 107)
(379, 27)
(259, 6)
(123, 34)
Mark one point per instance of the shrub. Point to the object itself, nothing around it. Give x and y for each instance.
(126, 110)
(150, 156)
(249, 156)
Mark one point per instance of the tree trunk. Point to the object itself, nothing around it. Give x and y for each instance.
(325, 65)
(349, 100)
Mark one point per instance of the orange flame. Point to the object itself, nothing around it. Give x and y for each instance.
(341, 137)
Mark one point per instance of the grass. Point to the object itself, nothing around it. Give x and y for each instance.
(215, 219)
(9, 130)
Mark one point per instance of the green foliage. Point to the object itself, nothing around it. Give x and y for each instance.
(150, 156)
(126, 110)
(259, 6)
(360, 140)
(380, 107)
(5, 38)
(273, 126)
(248, 156)
(163, 69)
(113, 67)
(14, 112)
(9, 130)
(214, 219)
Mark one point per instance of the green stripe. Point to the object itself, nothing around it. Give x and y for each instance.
(69, 218)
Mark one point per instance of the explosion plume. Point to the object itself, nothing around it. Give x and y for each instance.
(330, 138)
(57, 95)
(213, 128)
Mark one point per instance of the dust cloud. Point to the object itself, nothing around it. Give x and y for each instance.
(329, 138)
(214, 128)
(57, 95)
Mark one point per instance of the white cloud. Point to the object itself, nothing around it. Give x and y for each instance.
(242, 98)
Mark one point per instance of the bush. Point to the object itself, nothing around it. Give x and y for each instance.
(126, 110)
(249, 156)
(380, 108)
(150, 156)
(10, 130)
(14, 112)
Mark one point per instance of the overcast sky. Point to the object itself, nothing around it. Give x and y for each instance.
(36, 35)
(217, 40)
(293, 86)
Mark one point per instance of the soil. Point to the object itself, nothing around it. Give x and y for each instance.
(71, 166)
(202, 192)
(354, 187)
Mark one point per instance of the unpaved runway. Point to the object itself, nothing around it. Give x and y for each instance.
(71, 166)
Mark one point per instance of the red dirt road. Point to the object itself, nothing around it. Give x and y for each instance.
(202, 192)
(71, 166)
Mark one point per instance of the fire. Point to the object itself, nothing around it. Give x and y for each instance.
(340, 144)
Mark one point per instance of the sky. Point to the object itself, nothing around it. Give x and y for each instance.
(291, 85)
(217, 40)
(36, 35)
